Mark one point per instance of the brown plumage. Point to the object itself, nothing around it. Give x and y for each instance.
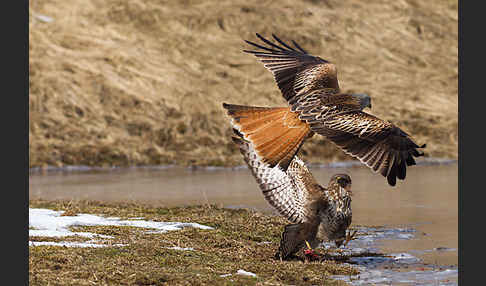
(316, 213)
(276, 133)
(295, 71)
(316, 105)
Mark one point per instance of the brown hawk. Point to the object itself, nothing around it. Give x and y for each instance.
(316, 105)
(316, 213)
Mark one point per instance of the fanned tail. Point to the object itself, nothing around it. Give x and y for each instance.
(276, 133)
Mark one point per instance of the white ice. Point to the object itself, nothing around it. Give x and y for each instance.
(419, 278)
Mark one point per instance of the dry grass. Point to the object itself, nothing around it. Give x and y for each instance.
(141, 82)
(237, 242)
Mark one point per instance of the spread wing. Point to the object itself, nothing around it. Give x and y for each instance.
(290, 192)
(379, 144)
(294, 69)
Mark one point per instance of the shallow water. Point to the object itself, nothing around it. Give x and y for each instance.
(426, 202)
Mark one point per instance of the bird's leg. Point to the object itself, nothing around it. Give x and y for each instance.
(309, 252)
(349, 237)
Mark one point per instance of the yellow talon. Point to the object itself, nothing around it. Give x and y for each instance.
(309, 252)
(308, 245)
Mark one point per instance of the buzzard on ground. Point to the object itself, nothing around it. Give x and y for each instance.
(316, 105)
(317, 214)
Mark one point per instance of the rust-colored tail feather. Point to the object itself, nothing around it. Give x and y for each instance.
(276, 133)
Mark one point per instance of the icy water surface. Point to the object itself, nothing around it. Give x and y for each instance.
(414, 223)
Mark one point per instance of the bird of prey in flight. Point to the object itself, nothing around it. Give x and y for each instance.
(317, 105)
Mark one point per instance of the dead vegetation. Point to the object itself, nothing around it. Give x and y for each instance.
(238, 241)
(141, 82)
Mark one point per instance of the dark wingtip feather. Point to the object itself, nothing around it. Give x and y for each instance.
(411, 161)
(250, 52)
(283, 43)
(298, 47)
(391, 180)
(270, 43)
(392, 177)
(419, 154)
(383, 171)
(260, 46)
(402, 171)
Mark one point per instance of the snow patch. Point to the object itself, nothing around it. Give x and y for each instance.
(71, 244)
(45, 222)
(43, 18)
(225, 275)
(180, 248)
(243, 272)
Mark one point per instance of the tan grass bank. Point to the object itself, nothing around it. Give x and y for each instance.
(141, 82)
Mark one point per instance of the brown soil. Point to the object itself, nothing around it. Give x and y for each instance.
(141, 82)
